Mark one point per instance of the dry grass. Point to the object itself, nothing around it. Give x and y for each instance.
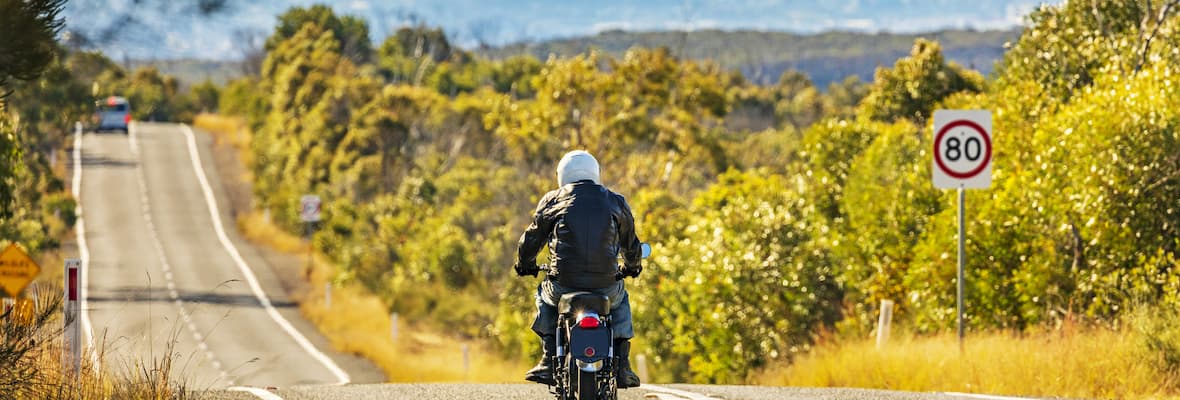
(258, 229)
(359, 323)
(225, 129)
(32, 364)
(1087, 363)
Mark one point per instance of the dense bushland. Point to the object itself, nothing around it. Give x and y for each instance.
(777, 213)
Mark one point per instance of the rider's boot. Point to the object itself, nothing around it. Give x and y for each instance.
(543, 372)
(626, 377)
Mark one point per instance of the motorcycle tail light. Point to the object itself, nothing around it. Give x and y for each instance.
(589, 322)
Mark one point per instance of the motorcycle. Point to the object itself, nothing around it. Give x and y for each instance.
(584, 366)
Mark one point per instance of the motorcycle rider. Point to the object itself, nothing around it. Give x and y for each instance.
(586, 226)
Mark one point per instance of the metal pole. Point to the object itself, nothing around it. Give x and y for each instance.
(310, 248)
(962, 261)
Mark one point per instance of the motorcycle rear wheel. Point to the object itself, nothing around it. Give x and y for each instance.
(584, 385)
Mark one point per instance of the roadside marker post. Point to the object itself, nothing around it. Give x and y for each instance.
(73, 313)
(962, 160)
(884, 323)
(466, 362)
(641, 367)
(393, 326)
(309, 211)
(328, 295)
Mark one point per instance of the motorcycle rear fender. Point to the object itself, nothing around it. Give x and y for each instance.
(600, 339)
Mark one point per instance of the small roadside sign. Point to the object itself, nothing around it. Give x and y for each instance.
(16, 270)
(309, 208)
(962, 149)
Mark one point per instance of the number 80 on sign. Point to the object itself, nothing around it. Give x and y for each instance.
(962, 149)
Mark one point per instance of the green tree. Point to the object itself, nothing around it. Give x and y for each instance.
(206, 96)
(743, 275)
(886, 206)
(154, 96)
(798, 102)
(29, 29)
(352, 33)
(514, 76)
(915, 84)
(241, 97)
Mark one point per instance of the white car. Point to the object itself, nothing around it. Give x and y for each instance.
(113, 114)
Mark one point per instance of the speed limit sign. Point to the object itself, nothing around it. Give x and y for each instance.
(962, 149)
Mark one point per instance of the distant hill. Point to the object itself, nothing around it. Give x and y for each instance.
(191, 71)
(763, 56)
(760, 56)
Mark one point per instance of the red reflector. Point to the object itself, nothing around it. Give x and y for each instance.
(127, 118)
(589, 352)
(72, 293)
(588, 323)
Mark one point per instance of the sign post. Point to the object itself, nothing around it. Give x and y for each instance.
(962, 160)
(73, 311)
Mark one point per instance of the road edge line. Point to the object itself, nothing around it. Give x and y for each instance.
(83, 251)
(261, 393)
(984, 396)
(676, 392)
(251, 279)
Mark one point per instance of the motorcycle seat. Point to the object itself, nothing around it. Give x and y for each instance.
(578, 301)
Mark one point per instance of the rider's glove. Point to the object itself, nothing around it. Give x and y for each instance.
(525, 269)
(632, 271)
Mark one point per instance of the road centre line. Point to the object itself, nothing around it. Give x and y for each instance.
(251, 279)
(261, 393)
(146, 208)
(83, 251)
(676, 392)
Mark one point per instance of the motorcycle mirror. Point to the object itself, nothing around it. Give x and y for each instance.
(645, 249)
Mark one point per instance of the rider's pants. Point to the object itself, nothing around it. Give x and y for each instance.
(549, 293)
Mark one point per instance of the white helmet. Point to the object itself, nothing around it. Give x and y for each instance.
(576, 166)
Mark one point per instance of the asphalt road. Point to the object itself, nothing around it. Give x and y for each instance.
(534, 392)
(163, 282)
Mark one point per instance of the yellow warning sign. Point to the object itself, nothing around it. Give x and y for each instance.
(16, 270)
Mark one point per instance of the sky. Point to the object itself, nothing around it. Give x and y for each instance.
(216, 29)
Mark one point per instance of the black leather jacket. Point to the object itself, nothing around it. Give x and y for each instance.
(586, 226)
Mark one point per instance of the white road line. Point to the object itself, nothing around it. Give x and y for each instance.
(662, 396)
(261, 393)
(146, 208)
(342, 376)
(676, 392)
(984, 396)
(83, 251)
